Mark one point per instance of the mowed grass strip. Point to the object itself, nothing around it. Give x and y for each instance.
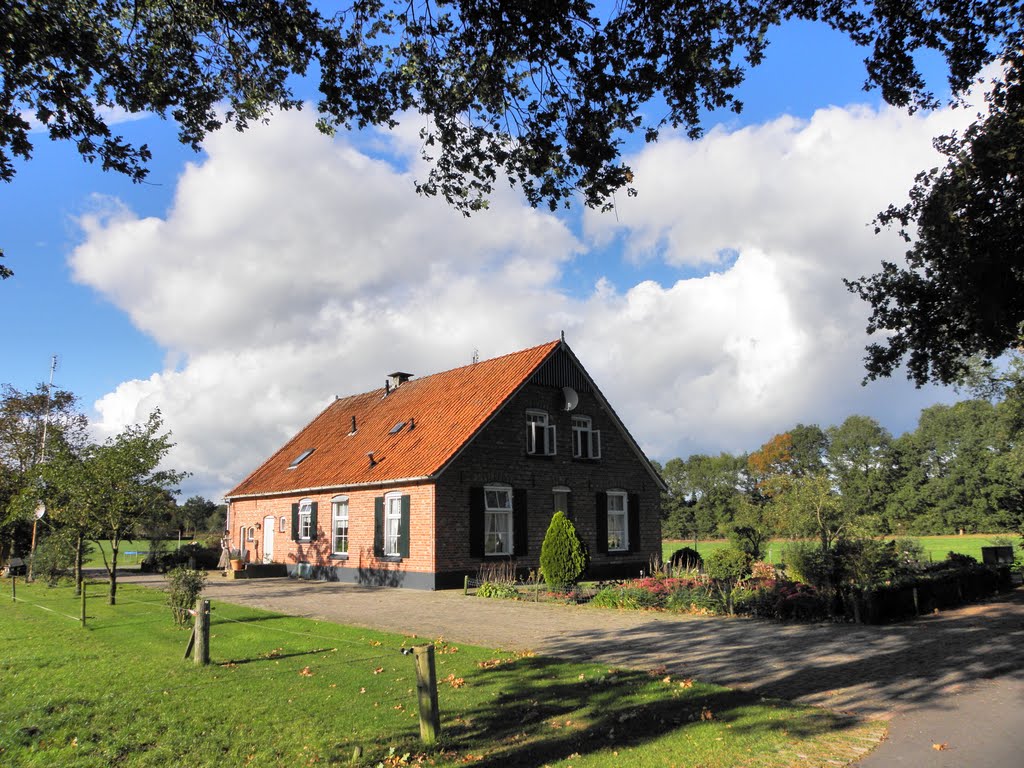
(291, 691)
(936, 548)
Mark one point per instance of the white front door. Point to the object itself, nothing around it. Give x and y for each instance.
(268, 538)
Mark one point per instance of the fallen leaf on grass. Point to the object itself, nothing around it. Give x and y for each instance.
(454, 682)
(688, 683)
(378, 670)
(706, 714)
(306, 672)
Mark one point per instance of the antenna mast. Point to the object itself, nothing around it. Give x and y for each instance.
(46, 413)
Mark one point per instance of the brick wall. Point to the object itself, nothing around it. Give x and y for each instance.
(439, 544)
(361, 562)
(498, 455)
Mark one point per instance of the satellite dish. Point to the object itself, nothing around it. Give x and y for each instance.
(571, 398)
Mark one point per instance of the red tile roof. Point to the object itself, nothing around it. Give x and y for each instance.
(447, 408)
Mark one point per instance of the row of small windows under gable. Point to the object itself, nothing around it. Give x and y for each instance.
(541, 436)
(498, 520)
(390, 524)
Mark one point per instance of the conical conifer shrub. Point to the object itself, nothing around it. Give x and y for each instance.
(563, 558)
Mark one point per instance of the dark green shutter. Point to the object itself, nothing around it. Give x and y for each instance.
(601, 522)
(295, 522)
(476, 522)
(378, 526)
(312, 521)
(520, 523)
(633, 522)
(403, 528)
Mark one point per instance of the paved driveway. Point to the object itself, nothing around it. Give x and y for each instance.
(954, 678)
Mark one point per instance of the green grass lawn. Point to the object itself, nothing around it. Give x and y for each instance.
(129, 554)
(936, 547)
(287, 691)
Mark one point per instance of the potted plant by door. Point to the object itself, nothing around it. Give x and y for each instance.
(237, 563)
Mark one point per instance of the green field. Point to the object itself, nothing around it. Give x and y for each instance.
(94, 558)
(936, 547)
(290, 691)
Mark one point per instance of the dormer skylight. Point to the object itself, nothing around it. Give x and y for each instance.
(397, 428)
(301, 458)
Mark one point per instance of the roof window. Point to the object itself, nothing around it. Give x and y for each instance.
(397, 428)
(301, 458)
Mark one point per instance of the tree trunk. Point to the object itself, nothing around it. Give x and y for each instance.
(113, 574)
(78, 564)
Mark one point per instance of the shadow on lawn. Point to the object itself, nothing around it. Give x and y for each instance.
(529, 723)
(870, 670)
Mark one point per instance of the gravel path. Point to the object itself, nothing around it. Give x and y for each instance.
(926, 674)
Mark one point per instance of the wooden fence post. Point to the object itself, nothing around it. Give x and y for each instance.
(14, 589)
(202, 634)
(426, 688)
(465, 584)
(83, 602)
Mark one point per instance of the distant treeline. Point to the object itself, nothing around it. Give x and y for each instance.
(959, 470)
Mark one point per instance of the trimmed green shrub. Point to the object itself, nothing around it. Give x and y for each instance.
(807, 562)
(185, 587)
(563, 558)
(687, 558)
(725, 567)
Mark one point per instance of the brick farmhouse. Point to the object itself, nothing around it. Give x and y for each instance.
(424, 481)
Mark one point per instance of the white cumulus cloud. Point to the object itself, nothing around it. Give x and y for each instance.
(291, 268)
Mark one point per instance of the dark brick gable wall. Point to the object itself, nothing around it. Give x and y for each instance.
(498, 455)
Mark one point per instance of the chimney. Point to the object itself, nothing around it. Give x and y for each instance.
(397, 379)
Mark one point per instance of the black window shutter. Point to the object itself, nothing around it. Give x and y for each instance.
(403, 528)
(378, 526)
(295, 522)
(312, 521)
(476, 522)
(601, 521)
(520, 523)
(633, 521)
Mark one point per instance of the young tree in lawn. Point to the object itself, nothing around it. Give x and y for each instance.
(810, 506)
(126, 485)
(67, 487)
(24, 417)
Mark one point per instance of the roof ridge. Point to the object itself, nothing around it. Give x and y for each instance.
(488, 360)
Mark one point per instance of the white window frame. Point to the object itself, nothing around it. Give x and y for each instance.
(586, 441)
(618, 513)
(305, 521)
(392, 524)
(538, 426)
(250, 534)
(339, 513)
(498, 520)
(284, 524)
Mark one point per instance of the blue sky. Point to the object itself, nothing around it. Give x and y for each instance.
(241, 288)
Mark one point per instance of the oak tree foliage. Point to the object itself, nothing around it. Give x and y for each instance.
(960, 295)
(535, 93)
